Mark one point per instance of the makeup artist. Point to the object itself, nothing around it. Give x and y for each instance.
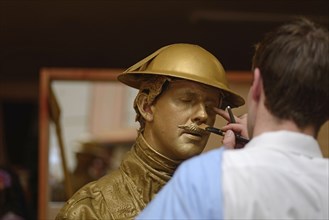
(281, 172)
(179, 86)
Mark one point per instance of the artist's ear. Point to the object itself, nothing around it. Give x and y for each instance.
(257, 85)
(144, 107)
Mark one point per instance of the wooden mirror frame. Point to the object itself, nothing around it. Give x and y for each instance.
(47, 75)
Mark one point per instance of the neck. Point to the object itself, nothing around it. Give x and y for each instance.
(261, 120)
(266, 122)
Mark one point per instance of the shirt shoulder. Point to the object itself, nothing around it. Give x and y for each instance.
(256, 183)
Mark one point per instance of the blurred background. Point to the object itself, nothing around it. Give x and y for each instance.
(112, 34)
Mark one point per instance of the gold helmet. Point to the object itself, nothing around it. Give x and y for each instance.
(185, 61)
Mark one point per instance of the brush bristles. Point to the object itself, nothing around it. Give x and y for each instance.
(203, 126)
(200, 129)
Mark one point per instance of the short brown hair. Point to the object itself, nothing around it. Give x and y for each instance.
(294, 64)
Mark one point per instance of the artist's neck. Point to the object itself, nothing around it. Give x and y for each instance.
(266, 122)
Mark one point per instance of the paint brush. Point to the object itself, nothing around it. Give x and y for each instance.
(238, 138)
(201, 129)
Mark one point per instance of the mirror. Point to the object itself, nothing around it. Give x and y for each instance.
(86, 125)
(86, 116)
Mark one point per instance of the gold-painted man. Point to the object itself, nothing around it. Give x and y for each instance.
(179, 85)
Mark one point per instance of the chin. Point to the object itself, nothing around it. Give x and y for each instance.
(191, 152)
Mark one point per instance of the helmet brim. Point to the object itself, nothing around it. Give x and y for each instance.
(136, 78)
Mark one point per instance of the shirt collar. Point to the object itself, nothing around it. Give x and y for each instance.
(294, 142)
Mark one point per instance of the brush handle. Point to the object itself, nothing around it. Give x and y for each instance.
(215, 131)
(238, 137)
(241, 139)
(232, 119)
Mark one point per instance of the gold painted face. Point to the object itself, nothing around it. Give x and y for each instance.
(183, 103)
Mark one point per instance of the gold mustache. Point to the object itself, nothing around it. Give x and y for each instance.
(194, 129)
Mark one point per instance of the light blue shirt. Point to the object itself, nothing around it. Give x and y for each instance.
(192, 192)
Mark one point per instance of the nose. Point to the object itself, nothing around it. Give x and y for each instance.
(200, 115)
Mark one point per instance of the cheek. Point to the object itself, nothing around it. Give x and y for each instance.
(172, 110)
(170, 116)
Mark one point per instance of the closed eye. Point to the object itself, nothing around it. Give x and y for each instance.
(186, 100)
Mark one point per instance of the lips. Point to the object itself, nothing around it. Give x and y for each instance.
(194, 133)
(193, 138)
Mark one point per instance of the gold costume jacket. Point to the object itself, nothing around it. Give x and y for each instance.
(123, 193)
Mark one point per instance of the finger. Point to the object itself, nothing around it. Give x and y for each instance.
(229, 139)
(239, 119)
(222, 113)
(237, 128)
(226, 115)
(242, 119)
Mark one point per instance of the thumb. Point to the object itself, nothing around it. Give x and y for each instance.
(229, 139)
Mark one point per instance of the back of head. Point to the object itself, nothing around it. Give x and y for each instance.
(293, 61)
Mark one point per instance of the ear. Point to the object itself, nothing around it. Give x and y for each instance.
(144, 107)
(257, 85)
